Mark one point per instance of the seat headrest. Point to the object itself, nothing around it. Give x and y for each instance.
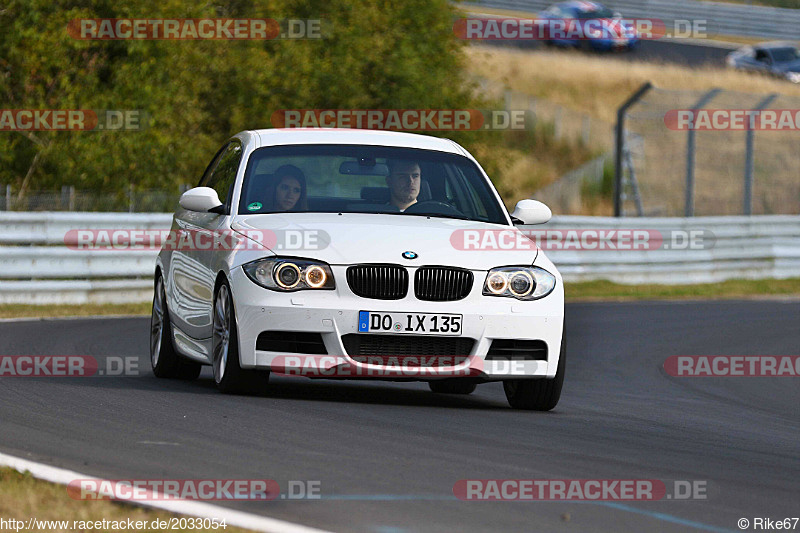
(381, 195)
(378, 195)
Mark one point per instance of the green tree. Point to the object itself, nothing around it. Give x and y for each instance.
(375, 54)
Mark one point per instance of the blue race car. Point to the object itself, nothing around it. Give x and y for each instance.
(589, 25)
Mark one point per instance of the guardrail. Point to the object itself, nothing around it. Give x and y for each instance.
(695, 250)
(722, 18)
(37, 267)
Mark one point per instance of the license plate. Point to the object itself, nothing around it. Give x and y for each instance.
(415, 323)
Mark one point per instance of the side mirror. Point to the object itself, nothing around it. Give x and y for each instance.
(531, 212)
(202, 200)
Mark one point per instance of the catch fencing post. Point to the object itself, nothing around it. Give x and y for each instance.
(620, 141)
(688, 208)
(749, 161)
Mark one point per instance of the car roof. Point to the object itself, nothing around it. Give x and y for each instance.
(285, 136)
(775, 44)
(581, 5)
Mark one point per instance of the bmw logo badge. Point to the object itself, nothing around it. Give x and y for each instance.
(410, 255)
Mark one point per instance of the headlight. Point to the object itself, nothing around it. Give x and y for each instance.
(290, 274)
(794, 77)
(522, 283)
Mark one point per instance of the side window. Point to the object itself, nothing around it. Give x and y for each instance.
(211, 166)
(763, 56)
(223, 176)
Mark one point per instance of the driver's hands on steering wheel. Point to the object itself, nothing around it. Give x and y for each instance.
(435, 207)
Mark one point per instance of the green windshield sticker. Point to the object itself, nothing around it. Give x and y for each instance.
(255, 206)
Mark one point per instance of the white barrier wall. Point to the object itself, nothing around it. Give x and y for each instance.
(36, 266)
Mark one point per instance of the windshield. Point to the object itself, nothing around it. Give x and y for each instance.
(367, 179)
(785, 55)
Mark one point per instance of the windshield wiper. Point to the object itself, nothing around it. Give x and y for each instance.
(438, 215)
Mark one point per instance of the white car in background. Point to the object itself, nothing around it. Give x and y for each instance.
(347, 252)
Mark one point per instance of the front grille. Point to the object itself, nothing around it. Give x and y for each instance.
(442, 284)
(359, 344)
(381, 282)
(517, 350)
(291, 342)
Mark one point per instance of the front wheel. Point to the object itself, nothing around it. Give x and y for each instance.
(538, 394)
(165, 360)
(229, 376)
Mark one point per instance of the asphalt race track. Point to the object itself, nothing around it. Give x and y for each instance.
(388, 454)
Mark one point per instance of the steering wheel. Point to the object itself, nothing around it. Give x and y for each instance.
(434, 207)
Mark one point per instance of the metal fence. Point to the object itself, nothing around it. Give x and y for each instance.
(696, 172)
(37, 267)
(566, 195)
(722, 18)
(72, 199)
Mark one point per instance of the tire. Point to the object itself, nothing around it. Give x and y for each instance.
(452, 386)
(229, 376)
(538, 394)
(164, 359)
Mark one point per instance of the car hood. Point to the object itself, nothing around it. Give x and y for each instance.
(349, 238)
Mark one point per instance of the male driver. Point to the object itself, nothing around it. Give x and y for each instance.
(403, 182)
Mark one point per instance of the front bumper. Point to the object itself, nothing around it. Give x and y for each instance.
(615, 44)
(334, 313)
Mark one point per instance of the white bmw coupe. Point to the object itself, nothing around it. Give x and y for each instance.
(357, 254)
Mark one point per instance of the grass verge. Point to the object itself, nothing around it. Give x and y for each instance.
(560, 76)
(23, 497)
(731, 289)
(588, 290)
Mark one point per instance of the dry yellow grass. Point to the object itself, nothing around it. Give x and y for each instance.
(22, 497)
(598, 85)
